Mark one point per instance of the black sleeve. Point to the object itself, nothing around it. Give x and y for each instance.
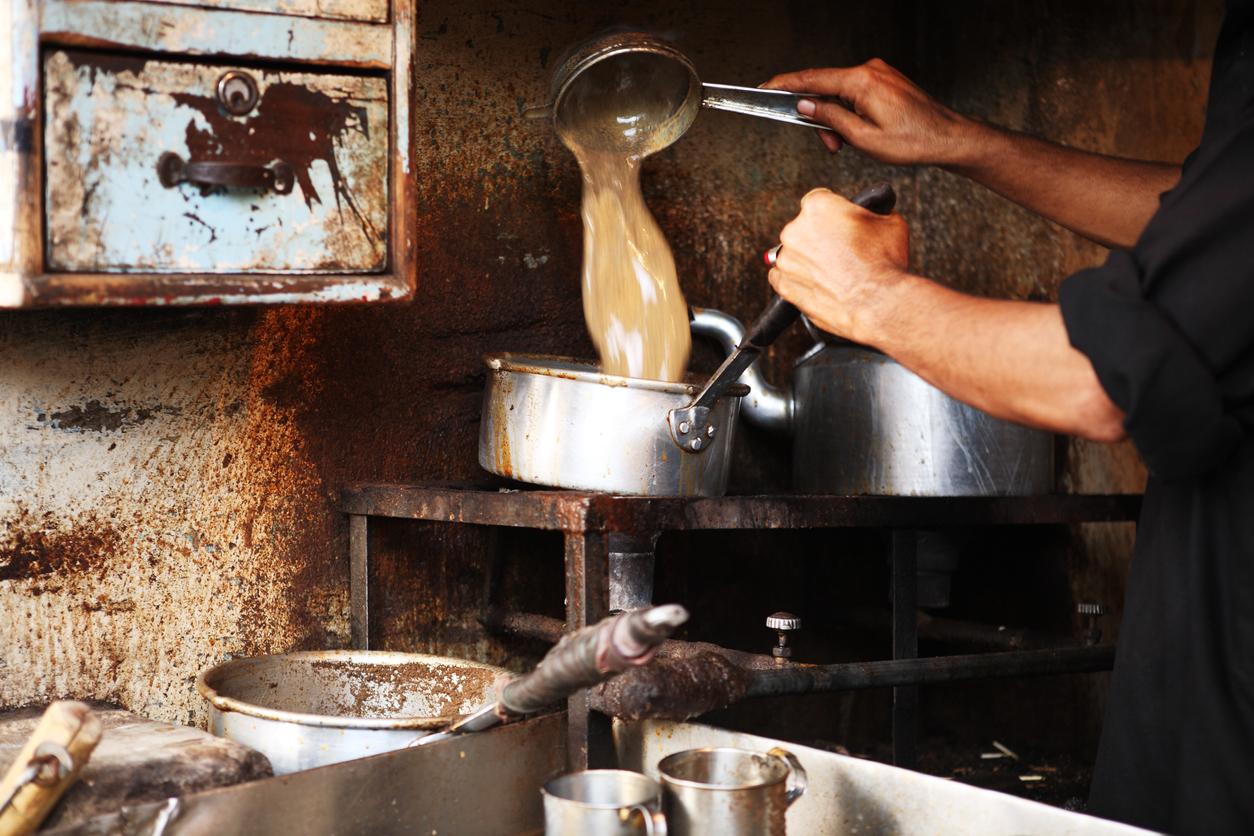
(1175, 414)
(1169, 326)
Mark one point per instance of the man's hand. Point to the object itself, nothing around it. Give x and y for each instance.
(888, 117)
(846, 269)
(836, 262)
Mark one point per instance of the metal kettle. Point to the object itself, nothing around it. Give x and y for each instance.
(864, 424)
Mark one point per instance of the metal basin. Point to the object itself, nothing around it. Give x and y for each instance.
(313, 708)
(490, 784)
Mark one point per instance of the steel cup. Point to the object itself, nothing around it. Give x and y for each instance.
(731, 792)
(613, 802)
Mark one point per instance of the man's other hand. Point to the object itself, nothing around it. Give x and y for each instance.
(837, 260)
(880, 112)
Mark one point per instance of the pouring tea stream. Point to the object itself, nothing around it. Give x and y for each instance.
(617, 99)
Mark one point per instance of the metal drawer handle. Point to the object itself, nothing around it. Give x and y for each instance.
(278, 175)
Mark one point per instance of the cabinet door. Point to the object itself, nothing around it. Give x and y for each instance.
(184, 167)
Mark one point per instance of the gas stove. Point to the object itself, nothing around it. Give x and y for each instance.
(608, 560)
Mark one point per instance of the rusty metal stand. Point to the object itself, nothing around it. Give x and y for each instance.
(589, 744)
(359, 581)
(905, 645)
(587, 521)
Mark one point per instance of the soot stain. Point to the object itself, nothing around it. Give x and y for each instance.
(96, 416)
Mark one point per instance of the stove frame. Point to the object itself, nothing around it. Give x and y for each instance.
(587, 520)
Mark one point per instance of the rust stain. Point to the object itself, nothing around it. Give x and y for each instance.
(291, 122)
(31, 549)
(501, 409)
(294, 596)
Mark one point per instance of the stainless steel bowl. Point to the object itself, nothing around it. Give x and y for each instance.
(312, 708)
(561, 422)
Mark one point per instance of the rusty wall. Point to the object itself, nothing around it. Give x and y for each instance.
(168, 480)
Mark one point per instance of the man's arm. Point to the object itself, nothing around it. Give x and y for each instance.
(845, 268)
(1010, 359)
(1106, 199)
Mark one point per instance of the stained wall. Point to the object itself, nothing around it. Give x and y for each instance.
(169, 480)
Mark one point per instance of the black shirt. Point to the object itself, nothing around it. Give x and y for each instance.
(1169, 328)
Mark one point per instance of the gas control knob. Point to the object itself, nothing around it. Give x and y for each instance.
(782, 623)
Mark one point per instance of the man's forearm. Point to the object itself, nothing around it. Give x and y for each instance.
(1106, 199)
(1010, 359)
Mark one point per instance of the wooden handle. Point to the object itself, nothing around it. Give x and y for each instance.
(68, 724)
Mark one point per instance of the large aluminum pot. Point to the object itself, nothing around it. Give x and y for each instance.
(563, 423)
(864, 424)
(312, 708)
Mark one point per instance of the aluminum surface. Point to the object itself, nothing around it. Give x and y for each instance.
(631, 571)
(560, 422)
(312, 708)
(848, 795)
(583, 74)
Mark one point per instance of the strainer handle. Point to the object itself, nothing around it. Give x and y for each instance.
(776, 105)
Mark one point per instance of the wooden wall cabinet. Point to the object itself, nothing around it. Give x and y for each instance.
(208, 152)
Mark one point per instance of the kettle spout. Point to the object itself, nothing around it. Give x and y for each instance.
(766, 405)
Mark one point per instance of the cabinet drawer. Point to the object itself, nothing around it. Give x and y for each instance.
(375, 11)
(296, 183)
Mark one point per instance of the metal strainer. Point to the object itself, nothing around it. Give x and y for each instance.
(638, 93)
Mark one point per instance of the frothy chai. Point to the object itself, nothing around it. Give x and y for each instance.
(635, 311)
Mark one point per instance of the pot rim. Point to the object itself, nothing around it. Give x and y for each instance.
(587, 372)
(365, 657)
